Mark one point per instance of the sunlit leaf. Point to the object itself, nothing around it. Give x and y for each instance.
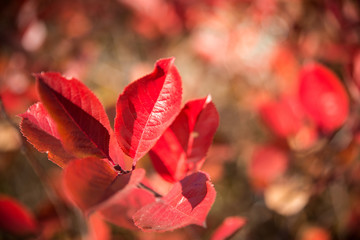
(188, 202)
(146, 108)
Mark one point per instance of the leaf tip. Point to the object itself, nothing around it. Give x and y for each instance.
(165, 63)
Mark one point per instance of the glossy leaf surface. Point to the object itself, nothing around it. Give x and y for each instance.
(40, 130)
(188, 202)
(228, 228)
(146, 108)
(79, 116)
(15, 218)
(183, 146)
(323, 96)
(90, 181)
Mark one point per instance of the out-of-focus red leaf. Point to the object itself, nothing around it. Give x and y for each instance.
(146, 108)
(150, 15)
(267, 163)
(40, 130)
(120, 207)
(228, 228)
(183, 146)
(15, 218)
(90, 181)
(282, 117)
(323, 97)
(15, 102)
(188, 202)
(48, 219)
(80, 118)
(98, 229)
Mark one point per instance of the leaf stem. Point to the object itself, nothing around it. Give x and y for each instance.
(122, 171)
(143, 186)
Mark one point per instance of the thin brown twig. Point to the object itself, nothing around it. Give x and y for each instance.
(143, 186)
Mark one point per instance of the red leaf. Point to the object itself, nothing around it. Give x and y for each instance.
(146, 108)
(188, 202)
(323, 96)
(267, 163)
(40, 130)
(183, 146)
(228, 228)
(90, 181)
(15, 218)
(17, 102)
(98, 229)
(123, 205)
(80, 118)
(119, 208)
(283, 117)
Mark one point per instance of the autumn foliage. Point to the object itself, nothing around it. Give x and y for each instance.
(252, 133)
(70, 124)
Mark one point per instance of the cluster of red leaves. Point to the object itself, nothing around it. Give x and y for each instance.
(321, 98)
(71, 126)
(17, 220)
(319, 107)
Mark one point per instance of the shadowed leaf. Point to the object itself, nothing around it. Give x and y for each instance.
(15, 218)
(90, 181)
(121, 206)
(183, 146)
(80, 118)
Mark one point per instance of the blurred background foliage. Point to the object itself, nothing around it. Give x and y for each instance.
(244, 53)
